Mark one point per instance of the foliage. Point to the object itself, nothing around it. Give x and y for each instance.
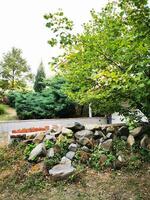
(39, 83)
(145, 154)
(50, 162)
(107, 64)
(2, 109)
(48, 144)
(63, 143)
(119, 145)
(14, 71)
(50, 103)
(28, 150)
(11, 96)
(97, 154)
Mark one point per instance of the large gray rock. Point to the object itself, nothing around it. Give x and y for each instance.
(130, 140)
(62, 170)
(73, 147)
(50, 153)
(107, 145)
(70, 155)
(39, 150)
(75, 126)
(137, 131)
(84, 134)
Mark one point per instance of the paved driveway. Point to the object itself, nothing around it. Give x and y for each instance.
(6, 127)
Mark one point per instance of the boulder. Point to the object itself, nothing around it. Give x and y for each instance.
(92, 127)
(62, 170)
(107, 145)
(66, 131)
(137, 131)
(50, 137)
(85, 148)
(130, 140)
(84, 134)
(98, 134)
(110, 129)
(145, 141)
(109, 135)
(70, 155)
(84, 141)
(39, 138)
(73, 147)
(50, 153)
(123, 131)
(39, 150)
(75, 126)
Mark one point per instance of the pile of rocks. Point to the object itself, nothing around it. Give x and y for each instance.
(83, 138)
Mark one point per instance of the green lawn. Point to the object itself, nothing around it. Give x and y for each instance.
(10, 114)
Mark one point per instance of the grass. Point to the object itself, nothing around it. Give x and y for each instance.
(9, 114)
(19, 182)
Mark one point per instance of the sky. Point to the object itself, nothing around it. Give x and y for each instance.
(22, 26)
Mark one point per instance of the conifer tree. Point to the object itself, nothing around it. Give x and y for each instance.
(39, 84)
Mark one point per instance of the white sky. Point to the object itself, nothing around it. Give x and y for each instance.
(22, 25)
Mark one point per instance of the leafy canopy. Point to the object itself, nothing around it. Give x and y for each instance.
(14, 71)
(107, 64)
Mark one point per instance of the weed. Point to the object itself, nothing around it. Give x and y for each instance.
(28, 150)
(50, 162)
(145, 154)
(49, 144)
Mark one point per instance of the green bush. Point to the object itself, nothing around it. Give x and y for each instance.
(11, 96)
(50, 103)
(2, 109)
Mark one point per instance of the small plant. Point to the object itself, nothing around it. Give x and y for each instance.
(28, 150)
(110, 159)
(134, 162)
(50, 162)
(119, 145)
(145, 154)
(63, 143)
(94, 160)
(49, 144)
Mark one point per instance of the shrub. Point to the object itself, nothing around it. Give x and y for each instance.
(49, 103)
(11, 96)
(2, 109)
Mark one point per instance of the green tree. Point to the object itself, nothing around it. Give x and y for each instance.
(107, 64)
(39, 83)
(14, 71)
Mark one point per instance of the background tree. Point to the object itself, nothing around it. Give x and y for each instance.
(40, 77)
(107, 64)
(14, 71)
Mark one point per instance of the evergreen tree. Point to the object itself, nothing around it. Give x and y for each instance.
(39, 84)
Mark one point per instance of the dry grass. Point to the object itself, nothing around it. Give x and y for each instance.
(16, 183)
(9, 115)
